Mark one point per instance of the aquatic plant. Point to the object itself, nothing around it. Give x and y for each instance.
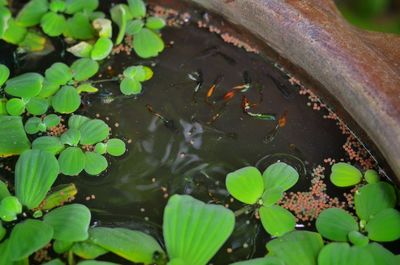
(83, 134)
(346, 175)
(131, 83)
(247, 185)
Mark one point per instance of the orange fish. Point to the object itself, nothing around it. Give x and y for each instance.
(229, 95)
(283, 119)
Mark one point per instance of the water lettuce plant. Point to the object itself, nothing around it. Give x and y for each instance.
(346, 175)
(264, 191)
(133, 76)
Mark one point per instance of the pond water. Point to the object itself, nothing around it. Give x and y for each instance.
(204, 138)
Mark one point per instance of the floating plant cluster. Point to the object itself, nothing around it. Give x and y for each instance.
(38, 124)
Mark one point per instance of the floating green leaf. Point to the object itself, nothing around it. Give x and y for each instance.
(72, 161)
(58, 73)
(335, 224)
(54, 261)
(3, 232)
(3, 106)
(96, 262)
(88, 250)
(73, 6)
(120, 14)
(57, 5)
(15, 107)
(51, 120)
(59, 195)
(37, 106)
(155, 23)
(14, 33)
(4, 190)
(86, 87)
(93, 131)
(139, 73)
(342, 253)
(345, 175)
(134, 26)
(373, 198)
(76, 121)
(371, 176)
(51, 144)
(4, 74)
(132, 245)
(84, 68)
(34, 125)
(35, 173)
(60, 246)
(10, 207)
(5, 16)
(100, 148)
(130, 86)
(28, 237)
(384, 226)
(67, 100)
(32, 12)
(115, 147)
(297, 247)
(193, 230)
(82, 49)
(26, 85)
(78, 27)
(137, 8)
(101, 49)
(53, 24)
(95, 163)
(13, 139)
(103, 26)
(70, 222)
(381, 255)
(358, 239)
(280, 175)
(71, 137)
(276, 220)
(245, 185)
(147, 43)
(272, 196)
(48, 89)
(269, 260)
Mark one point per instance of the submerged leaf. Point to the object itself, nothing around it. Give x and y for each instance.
(26, 85)
(373, 198)
(147, 43)
(194, 231)
(345, 175)
(245, 185)
(35, 173)
(297, 247)
(132, 245)
(28, 237)
(335, 224)
(276, 220)
(280, 175)
(384, 226)
(72, 161)
(70, 222)
(101, 49)
(67, 100)
(13, 139)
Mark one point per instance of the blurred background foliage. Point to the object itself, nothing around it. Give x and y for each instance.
(376, 15)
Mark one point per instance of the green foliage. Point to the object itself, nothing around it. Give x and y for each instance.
(51, 144)
(28, 237)
(4, 74)
(67, 100)
(4, 190)
(58, 196)
(137, 8)
(32, 12)
(345, 175)
(155, 23)
(336, 224)
(35, 173)
(59, 74)
(207, 227)
(384, 226)
(269, 260)
(381, 255)
(115, 147)
(358, 239)
(373, 198)
(93, 131)
(84, 68)
(276, 220)
(10, 207)
(70, 222)
(133, 77)
(72, 161)
(120, 14)
(101, 49)
(78, 27)
(88, 250)
(280, 175)
(342, 253)
(245, 185)
(53, 24)
(13, 139)
(297, 247)
(147, 43)
(95, 163)
(132, 245)
(103, 27)
(371, 176)
(26, 85)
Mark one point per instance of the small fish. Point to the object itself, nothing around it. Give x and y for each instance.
(262, 116)
(246, 83)
(283, 119)
(212, 88)
(229, 95)
(245, 104)
(281, 123)
(168, 123)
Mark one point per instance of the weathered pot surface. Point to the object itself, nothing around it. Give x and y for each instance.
(359, 69)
